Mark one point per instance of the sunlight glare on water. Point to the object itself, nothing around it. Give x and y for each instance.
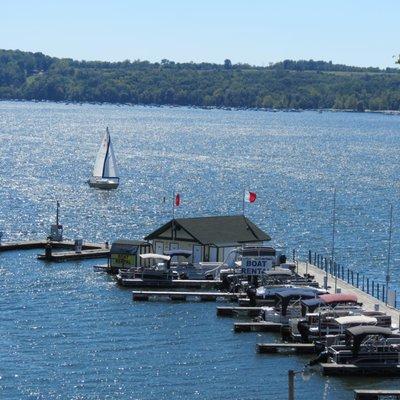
(69, 333)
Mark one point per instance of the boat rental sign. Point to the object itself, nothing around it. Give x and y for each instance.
(256, 265)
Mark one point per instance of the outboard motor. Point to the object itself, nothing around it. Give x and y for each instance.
(304, 330)
(322, 358)
(251, 294)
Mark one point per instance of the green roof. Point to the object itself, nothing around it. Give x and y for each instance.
(219, 231)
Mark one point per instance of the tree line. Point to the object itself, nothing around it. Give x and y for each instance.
(287, 84)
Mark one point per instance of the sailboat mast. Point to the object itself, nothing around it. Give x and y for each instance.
(108, 149)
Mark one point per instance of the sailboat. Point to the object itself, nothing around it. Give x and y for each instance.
(105, 174)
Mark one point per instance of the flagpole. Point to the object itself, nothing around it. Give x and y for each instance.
(173, 204)
(173, 215)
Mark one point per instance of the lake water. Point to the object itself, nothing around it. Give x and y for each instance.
(67, 332)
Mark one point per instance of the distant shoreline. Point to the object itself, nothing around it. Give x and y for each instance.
(272, 110)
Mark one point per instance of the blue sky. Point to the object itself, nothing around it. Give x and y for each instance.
(354, 32)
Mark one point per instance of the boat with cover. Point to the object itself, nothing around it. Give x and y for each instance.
(331, 315)
(157, 271)
(371, 350)
(163, 269)
(105, 173)
(287, 305)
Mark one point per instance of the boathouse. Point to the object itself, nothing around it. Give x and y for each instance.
(209, 238)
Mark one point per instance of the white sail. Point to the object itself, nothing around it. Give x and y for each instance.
(105, 165)
(101, 156)
(110, 164)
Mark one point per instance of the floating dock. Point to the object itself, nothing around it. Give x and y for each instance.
(301, 348)
(145, 295)
(351, 369)
(41, 244)
(238, 311)
(72, 255)
(257, 327)
(375, 394)
(172, 284)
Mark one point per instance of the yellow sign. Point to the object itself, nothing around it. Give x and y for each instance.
(123, 260)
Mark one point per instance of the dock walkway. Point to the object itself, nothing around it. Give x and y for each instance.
(41, 244)
(72, 255)
(145, 295)
(366, 299)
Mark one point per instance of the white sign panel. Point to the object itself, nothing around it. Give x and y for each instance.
(256, 265)
(391, 297)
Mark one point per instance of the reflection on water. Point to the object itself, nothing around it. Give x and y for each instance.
(68, 332)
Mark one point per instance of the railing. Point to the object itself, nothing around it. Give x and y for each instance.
(354, 278)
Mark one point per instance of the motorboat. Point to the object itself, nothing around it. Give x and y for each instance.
(371, 350)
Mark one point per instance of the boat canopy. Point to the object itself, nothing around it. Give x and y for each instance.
(265, 291)
(294, 293)
(338, 298)
(356, 319)
(310, 305)
(155, 256)
(178, 252)
(358, 333)
(279, 271)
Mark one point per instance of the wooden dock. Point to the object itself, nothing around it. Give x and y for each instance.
(366, 299)
(257, 327)
(351, 369)
(172, 284)
(245, 302)
(300, 348)
(376, 394)
(41, 244)
(145, 295)
(238, 311)
(72, 255)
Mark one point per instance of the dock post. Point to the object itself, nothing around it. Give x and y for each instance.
(352, 278)
(358, 279)
(294, 254)
(315, 258)
(291, 374)
(48, 250)
(309, 256)
(326, 274)
(348, 275)
(368, 285)
(384, 292)
(377, 291)
(373, 289)
(363, 284)
(342, 272)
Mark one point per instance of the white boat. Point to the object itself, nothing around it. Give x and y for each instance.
(105, 174)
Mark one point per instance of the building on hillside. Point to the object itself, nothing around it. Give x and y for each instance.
(209, 238)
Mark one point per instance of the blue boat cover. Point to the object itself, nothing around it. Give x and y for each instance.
(178, 252)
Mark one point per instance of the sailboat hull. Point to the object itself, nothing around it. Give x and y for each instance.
(104, 183)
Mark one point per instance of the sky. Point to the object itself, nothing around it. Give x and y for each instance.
(258, 32)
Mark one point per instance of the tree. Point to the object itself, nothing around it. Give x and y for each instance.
(227, 64)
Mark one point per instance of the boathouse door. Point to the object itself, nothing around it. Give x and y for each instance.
(213, 254)
(159, 247)
(196, 253)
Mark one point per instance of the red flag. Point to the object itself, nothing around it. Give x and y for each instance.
(177, 200)
(249, 197)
